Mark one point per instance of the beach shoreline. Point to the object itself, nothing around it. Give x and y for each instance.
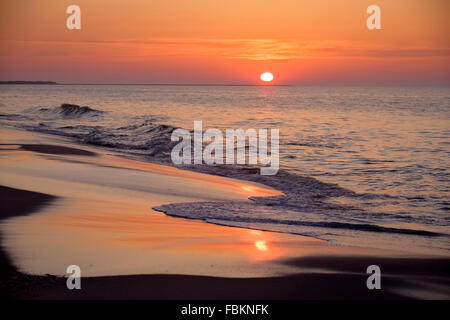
(292, 267)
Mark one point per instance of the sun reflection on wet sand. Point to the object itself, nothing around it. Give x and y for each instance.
(261, 245)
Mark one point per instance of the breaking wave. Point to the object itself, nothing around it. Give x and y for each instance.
(143, 134)
(303, 209)
(71, 111)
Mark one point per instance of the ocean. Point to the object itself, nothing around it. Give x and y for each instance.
(362, 166)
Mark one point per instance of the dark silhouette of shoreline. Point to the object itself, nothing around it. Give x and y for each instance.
(28, 82)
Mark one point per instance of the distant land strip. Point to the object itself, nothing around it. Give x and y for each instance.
(28, 82)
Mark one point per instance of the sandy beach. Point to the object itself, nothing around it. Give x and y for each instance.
(65, 203)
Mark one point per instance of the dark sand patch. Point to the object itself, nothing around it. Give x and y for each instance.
(347, 282)
(51, 149)
(185, 287)
(15, 202)
(399, 266)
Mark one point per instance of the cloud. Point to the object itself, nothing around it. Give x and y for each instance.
(243, 49)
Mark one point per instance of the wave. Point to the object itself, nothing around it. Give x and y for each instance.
(12, 117)
(149, 138)
(304, 209)
(142, 134)
(231, 212)
(71, 110)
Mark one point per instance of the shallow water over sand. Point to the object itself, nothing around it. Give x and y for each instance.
(102, 219)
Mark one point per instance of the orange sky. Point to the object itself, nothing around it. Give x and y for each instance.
(226, 41)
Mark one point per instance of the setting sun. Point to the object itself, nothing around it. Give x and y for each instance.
(266, 77)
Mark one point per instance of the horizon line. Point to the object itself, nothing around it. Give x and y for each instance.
(46, 82)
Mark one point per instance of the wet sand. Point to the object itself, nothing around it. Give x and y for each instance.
(64, 203)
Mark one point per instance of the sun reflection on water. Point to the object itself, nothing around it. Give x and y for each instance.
(261, 245)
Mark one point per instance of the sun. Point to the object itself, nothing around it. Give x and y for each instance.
(266, 77)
